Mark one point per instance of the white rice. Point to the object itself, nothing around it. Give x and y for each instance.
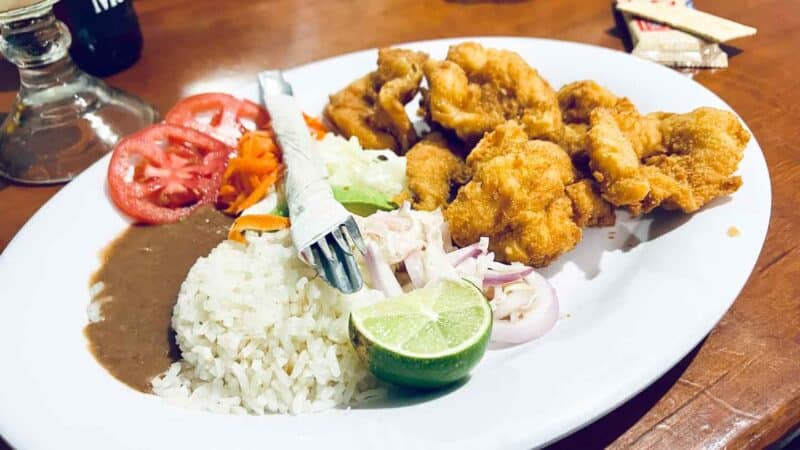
(259, 333)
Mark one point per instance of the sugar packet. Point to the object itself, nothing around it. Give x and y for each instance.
(671, 47)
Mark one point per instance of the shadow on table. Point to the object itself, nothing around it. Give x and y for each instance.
(789, 442)
(9, 76)
(607, 429)
(623, 36)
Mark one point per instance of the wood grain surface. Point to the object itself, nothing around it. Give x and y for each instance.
(741, 387)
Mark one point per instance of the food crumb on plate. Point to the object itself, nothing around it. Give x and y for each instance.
(733, 232)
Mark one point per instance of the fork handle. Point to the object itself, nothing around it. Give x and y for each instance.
(312, 208)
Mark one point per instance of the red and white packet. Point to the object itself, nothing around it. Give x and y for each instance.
(671, 47)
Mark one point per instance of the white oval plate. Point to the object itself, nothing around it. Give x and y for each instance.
(633, 306)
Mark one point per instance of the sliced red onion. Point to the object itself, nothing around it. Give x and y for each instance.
(389, 222)
(415, 269)
(514, 301)
(456, 257)
(469, 267)
(493, 278)
(502, 267)
(381, 273)
(397, 223)
(399, 251)
(536, 320)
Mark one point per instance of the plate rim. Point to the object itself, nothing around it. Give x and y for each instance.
(655, 370)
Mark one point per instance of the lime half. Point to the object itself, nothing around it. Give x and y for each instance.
(427, 338)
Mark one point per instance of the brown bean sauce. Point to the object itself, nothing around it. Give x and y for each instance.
(142, 272)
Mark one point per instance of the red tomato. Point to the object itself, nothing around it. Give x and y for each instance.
(163, 172)
(222, 116)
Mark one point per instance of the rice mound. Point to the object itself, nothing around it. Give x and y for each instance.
(260, 333)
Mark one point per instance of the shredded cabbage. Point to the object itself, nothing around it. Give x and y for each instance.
(349, 165)
(357, 176)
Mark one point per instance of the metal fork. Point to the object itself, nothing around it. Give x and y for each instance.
(333, 255)
(323, 232)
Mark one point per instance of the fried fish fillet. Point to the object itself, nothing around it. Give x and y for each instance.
(476, 89)
(699, 152)
(614, 162)
(574, 141)
(703, 149)
(434, 172)
(372, 108)
(517, 197)
(509, 137)
(588, 207)
(579, 99)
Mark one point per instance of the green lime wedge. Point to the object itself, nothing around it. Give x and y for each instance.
(426, 338)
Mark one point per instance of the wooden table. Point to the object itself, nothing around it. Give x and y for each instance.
(741, 386)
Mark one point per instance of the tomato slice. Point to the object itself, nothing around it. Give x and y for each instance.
(162, 173)
(222, 116)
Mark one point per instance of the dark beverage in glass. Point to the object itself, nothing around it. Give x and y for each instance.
(105, 34)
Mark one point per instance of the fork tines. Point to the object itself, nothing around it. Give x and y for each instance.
(333, 257)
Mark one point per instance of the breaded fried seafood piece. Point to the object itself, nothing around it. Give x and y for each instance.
(434, 172)
(579, 99)
(588, 207)
(476, 88)
(508, 137)
(614, 162)
(517, 198)
(574, 141)
(700, 151)
(372, 108)
(703, 150)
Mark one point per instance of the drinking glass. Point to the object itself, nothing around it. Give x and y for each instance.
(62, 119)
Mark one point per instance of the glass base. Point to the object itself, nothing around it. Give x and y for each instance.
(51, 137)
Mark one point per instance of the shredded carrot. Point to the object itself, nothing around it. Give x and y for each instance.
(227, 190)
(253, 166)
(259, 191)
(257, 222)
(316, 126)
(256, 168)
(251, 173)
